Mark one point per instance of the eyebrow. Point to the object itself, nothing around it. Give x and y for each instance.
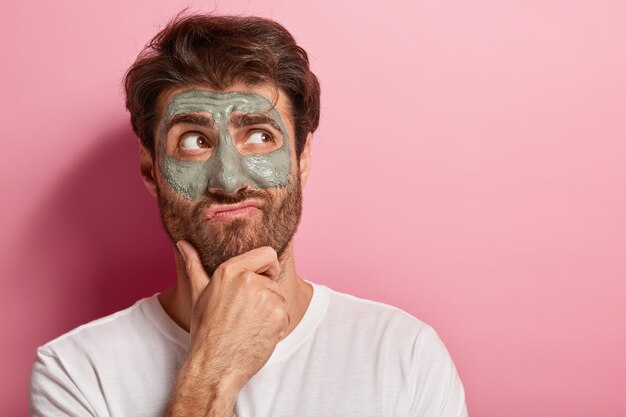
(250, 119)
(190, 118)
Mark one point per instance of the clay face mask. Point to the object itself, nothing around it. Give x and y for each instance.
(226, 168)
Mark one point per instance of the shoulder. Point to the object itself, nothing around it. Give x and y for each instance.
(378, 327)
(413, 357)
(66, 376)
(407, 351)
(123, 339)
(375, 316)
(104, 332)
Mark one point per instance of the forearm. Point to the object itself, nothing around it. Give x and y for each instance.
(200, 392)
(237, 317)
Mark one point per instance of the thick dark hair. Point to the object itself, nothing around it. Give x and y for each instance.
(218, 51)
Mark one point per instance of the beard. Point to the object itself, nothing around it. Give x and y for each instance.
(219, 241)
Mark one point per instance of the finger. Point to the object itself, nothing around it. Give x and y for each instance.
(270, 285)
(198, 278)
(288, 320)
(275, 292)
(263, 261)
(282, 300)
(283, 333)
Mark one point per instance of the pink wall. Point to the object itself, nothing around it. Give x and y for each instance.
(470, 169)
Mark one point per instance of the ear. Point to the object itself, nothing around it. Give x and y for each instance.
(146, 166)
(305, 160)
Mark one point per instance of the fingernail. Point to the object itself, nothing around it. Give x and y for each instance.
(180, 249)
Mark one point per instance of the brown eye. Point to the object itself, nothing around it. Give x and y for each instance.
(193, 141)
(259, 137)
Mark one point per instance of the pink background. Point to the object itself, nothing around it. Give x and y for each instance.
(469, 168)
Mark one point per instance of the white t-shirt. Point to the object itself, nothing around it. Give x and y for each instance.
(347, 357)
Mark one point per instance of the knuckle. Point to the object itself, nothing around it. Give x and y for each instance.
(279, 313)
(264, 297)
(248, 278)
(269, 251)
(226, 269)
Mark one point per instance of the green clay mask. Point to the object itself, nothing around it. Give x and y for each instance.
(226, 168)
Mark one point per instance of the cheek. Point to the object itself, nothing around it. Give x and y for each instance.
(185, 177)
(269, 170)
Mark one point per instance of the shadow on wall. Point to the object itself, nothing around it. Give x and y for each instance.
(98, 236)
(94, 246)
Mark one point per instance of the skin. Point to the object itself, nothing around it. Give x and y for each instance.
(252, 301)
(226, 167)
(218, 148)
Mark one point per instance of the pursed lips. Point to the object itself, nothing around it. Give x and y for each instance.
(231, 209)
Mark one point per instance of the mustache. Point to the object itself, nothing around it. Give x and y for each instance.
(239, 196)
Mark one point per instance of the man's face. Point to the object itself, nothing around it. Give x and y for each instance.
(225, 173)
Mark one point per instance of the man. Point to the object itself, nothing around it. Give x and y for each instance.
(225, 108)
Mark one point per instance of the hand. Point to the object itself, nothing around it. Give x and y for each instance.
(238, 315)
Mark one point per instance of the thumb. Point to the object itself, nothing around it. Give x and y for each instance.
(198, 278)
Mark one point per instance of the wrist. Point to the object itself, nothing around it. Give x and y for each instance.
(201, 386)
(228, 386)
(216, 373)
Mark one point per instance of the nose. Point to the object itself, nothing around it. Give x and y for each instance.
(226, 175)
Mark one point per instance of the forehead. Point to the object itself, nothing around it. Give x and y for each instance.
(197, 99)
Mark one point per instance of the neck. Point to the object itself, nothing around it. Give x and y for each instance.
(176, 300)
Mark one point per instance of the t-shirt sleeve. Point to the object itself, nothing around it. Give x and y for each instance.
(53, 392)
(437, 387)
